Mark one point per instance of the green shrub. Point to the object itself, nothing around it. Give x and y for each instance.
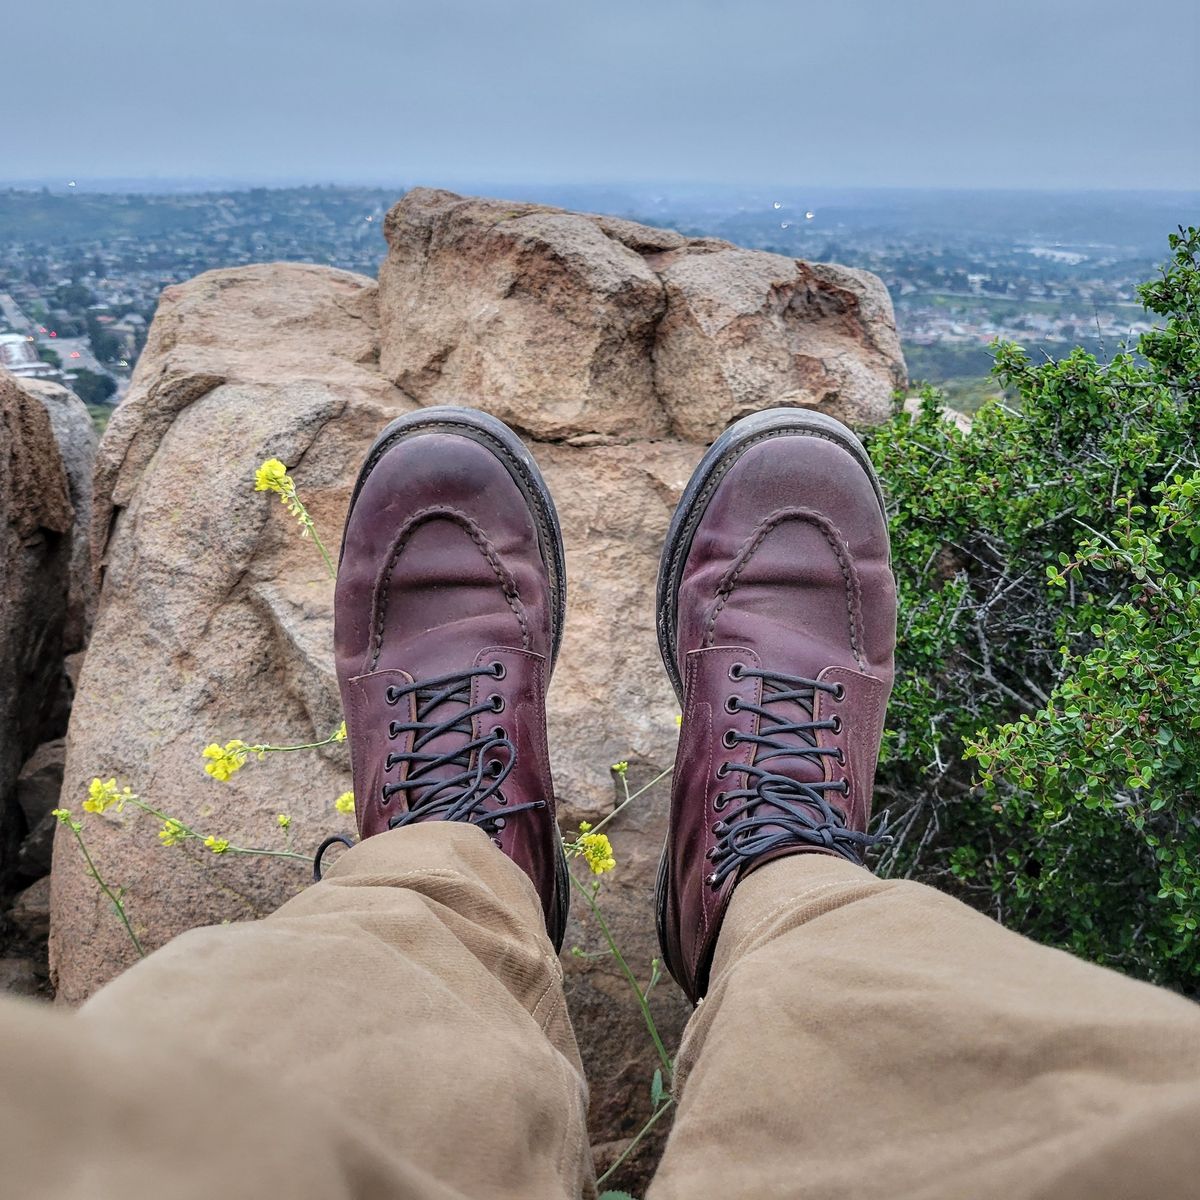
(1043, 756)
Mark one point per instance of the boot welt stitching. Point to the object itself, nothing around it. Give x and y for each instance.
(722, 468)
(485, 547)
(751, 546)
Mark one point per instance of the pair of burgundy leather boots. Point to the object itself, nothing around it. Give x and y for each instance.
(776, 620)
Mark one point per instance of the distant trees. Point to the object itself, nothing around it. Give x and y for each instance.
(74, 297)
(93, 388)
(105, 345)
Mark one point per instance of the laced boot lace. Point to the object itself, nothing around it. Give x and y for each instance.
(458, 780)
(772, 811)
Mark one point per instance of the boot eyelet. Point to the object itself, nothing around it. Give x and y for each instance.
(501, 798)
(841, 757)
(498, 823)
(497, 843)
(723, 770)
(719, 828)
(385, 797)
(498, 669)
(393, 731)
(839, 691)
(733, 704)
(730, 739)
(719, 802)
(392, 696)
(494, 768)
(735, 671)
(836, 725)
(497, 702)
(498, 731)
(712, 880)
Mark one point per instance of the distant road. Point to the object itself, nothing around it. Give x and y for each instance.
(66, 348)
(14, 316)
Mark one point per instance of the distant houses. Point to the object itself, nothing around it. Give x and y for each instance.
(19, 356)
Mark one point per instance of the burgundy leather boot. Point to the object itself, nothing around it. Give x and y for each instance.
(447, 620)
(777, 622)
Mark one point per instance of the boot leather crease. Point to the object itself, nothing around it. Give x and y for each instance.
(777, 624)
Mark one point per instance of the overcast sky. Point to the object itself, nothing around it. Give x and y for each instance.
(958, 93)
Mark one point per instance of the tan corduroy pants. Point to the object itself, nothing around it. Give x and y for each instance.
(399, 1030)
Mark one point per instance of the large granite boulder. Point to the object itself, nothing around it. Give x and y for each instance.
(575, 326)
(35, 548)
(215, 617)
(746, 330)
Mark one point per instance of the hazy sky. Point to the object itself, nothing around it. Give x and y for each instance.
(1017, 93)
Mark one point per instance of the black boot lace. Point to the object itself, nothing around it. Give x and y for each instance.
(471, 793)
(774, 811)
(474, 791)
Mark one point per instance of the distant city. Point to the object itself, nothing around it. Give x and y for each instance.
(81, 268)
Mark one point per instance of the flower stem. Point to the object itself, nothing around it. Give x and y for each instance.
(316, 537)
(265, 749)
(189, 832)
(304, 858)
(117, 902)
(629, 799)
(641, 1133)
(589, 898)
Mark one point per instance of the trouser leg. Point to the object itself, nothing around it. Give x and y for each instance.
(398, 1029)
(874, 1038)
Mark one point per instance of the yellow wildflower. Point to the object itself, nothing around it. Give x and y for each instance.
(620, 767)
(597, 851)
(340, 734)
(172, 832)
(103, 795)
(216, 845)
(272, 476)
(584, 826)
(225, 760)
(283, 820)
(345, 802)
